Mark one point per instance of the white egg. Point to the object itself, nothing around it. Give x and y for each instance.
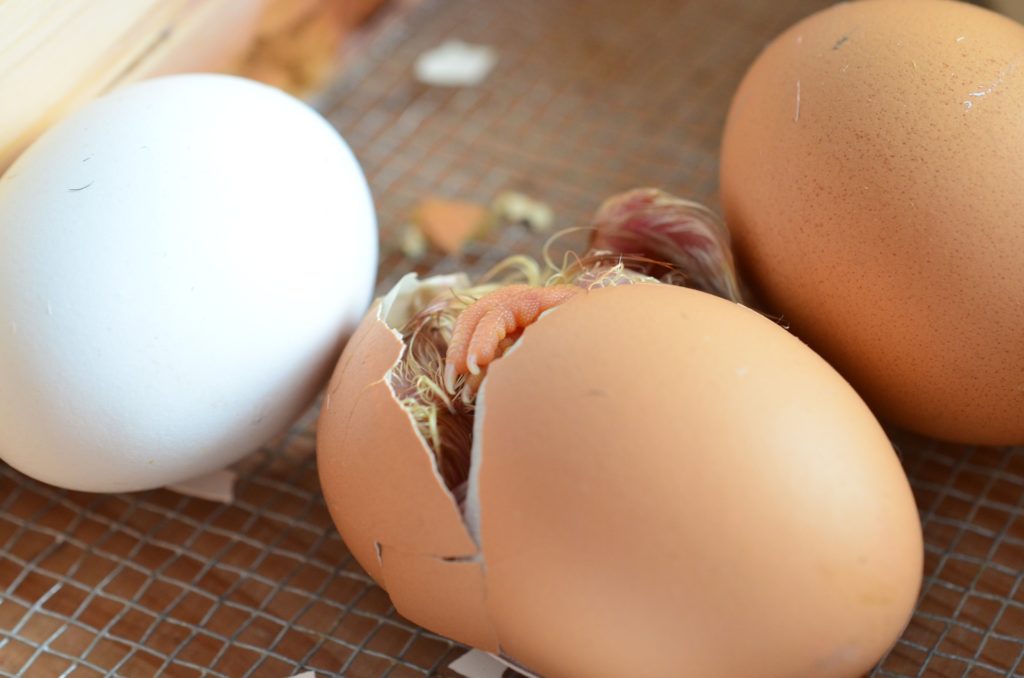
(181, 262)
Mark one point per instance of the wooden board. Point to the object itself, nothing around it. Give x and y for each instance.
(56, 55)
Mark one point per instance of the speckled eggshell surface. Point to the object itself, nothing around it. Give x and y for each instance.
(873, 178)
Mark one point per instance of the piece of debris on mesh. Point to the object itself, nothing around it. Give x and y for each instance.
(512, 207)
(446, 224)
(455, 64)
(412, 242)
(477, 664)
(218, 486)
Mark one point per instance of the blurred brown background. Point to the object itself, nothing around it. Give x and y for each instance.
(586, 99)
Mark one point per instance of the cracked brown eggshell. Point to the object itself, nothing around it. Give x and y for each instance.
(383, 490)
(665, 483)
(872, 172)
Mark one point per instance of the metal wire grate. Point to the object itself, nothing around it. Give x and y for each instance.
(587, 99)
(139, 584)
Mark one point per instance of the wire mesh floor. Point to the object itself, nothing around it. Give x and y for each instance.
(587, 99)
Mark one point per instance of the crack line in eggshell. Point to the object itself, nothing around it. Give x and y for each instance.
(477, 558)
(471, 509)
(394, 311)
(472, 558)
(419, 434)
(471, 512)
(411, 596)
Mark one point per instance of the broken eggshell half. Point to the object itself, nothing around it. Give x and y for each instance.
(663, 482)
(382, 486)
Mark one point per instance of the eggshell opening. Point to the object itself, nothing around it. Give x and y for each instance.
(653, 475)
(410, 294)
(382, 485)
(376, 438)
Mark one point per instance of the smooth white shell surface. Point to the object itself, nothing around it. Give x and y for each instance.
(181, 261)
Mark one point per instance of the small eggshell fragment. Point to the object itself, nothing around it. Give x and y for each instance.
(872, 165)
(182, 260)
(449, 224)
(653, 468)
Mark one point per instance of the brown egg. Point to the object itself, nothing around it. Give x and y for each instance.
(664, 483)
(872, 173)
